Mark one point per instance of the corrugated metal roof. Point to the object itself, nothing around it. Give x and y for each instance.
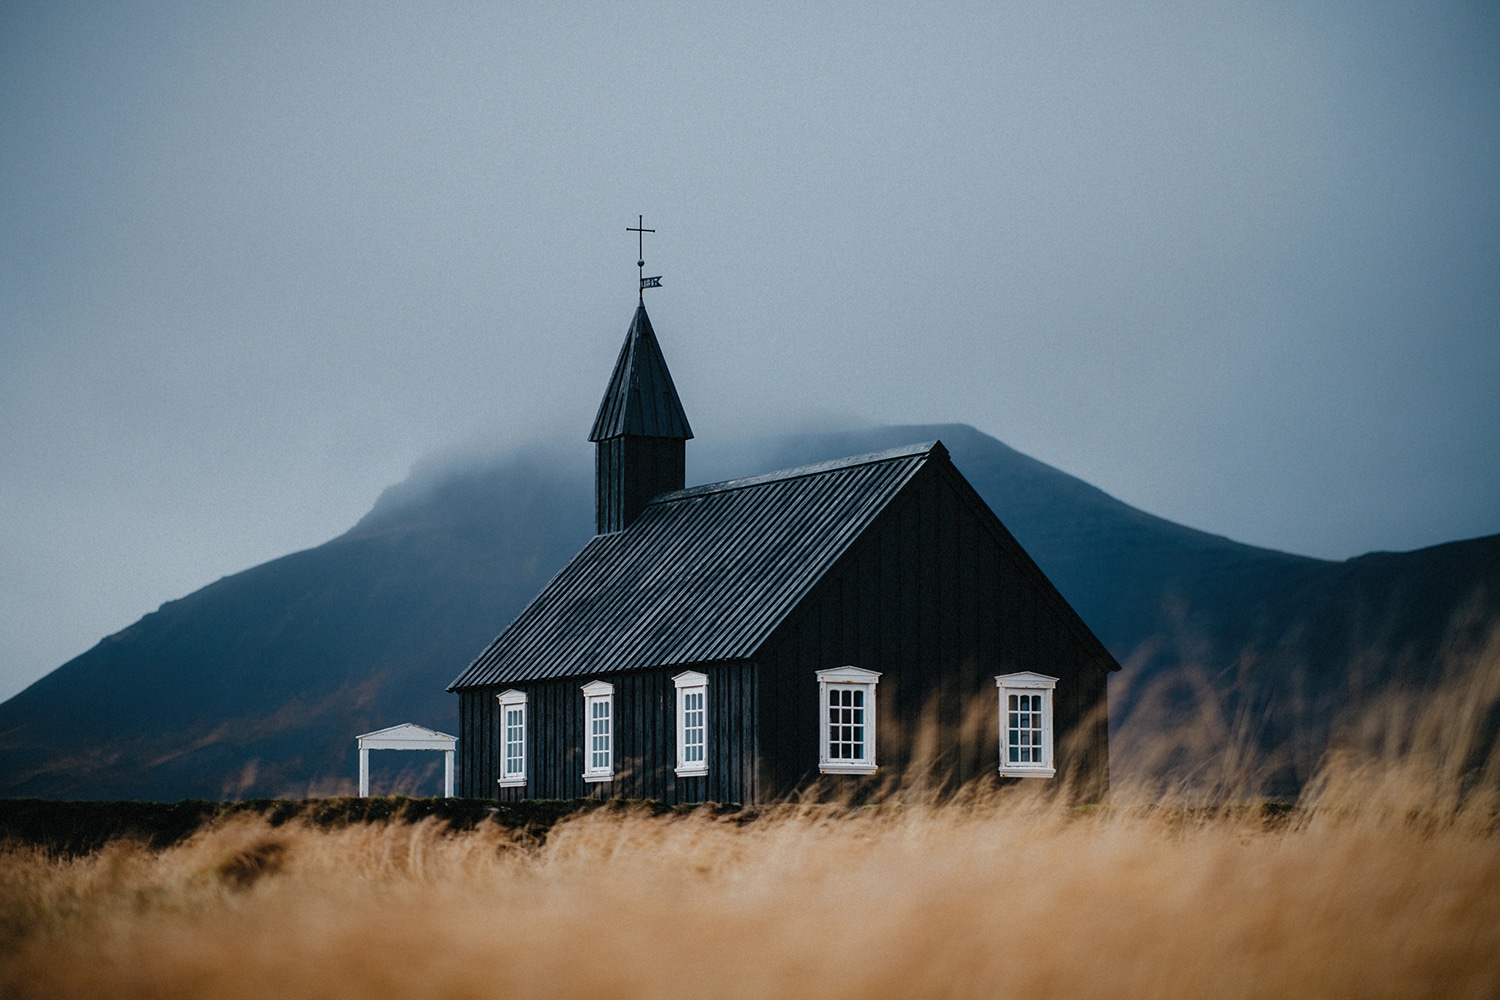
(703, 574)
(641, 398)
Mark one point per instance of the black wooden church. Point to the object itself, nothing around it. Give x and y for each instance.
(739, 641)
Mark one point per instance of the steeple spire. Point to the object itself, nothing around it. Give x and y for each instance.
(641, 431)
(641, 400)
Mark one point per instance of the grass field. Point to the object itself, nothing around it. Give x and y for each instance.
(1384, 882)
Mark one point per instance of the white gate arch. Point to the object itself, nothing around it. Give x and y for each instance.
(407, 736)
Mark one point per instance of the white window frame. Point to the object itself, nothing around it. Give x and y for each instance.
(1027, 683)
(691, 682)
(511, 701)
(847, 680)
(600, 693)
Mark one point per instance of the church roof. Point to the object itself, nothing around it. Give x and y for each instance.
(704, 574)
(641, 399)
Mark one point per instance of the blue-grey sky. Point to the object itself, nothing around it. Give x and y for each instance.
(1237, 264)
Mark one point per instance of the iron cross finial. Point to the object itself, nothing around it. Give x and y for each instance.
(640, 230)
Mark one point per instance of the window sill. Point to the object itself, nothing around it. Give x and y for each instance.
(593, 778)
(1027, 772)
(846, 767)
(512, 782)
(696, 771)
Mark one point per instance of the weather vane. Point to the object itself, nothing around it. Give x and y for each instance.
(640, 240)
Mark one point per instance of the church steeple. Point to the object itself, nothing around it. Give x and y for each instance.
(641, 432)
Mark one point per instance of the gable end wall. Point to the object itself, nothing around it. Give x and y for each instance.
(938, 597)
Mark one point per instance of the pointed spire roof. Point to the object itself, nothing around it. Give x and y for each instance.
(641, 399)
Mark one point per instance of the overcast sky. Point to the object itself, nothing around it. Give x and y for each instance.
(1236, 264)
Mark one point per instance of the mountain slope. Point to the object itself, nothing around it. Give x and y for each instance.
(258, 683)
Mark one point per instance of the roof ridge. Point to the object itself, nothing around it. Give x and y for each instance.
(798, 472)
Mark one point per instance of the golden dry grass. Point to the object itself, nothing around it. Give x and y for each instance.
(1011, 899)
(1386, 883)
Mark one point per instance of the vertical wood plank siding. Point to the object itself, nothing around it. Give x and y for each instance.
(645, 735)
(479, 749)
(939, 602)
(629, 471)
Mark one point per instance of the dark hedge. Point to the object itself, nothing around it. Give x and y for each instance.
(75, 828)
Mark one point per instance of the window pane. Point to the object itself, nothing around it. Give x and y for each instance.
(692, 722)
(515, 741)
(599, 733)
(1023, 730)
(847, 738)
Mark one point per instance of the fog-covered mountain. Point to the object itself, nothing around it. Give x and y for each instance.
(258, 684)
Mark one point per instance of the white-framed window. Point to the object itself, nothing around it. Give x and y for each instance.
(512, 738)
(846, 697)
(692, 723)
(1026, 724)
(598, 731)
